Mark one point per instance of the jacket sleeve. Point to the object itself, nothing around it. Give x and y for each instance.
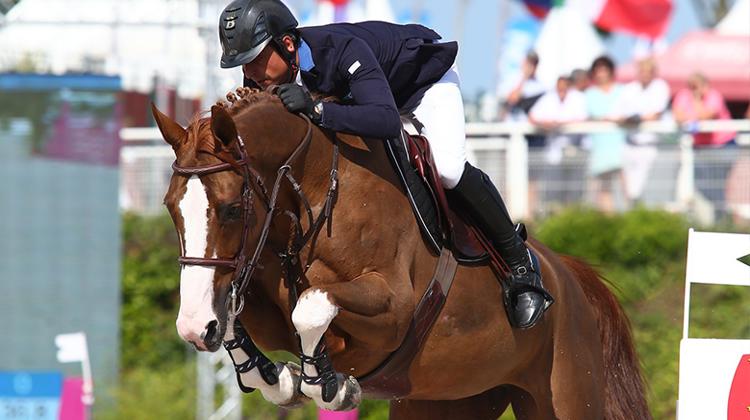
(372, 112)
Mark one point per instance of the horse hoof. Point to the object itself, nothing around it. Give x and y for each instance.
(352, 393)
(348, 396)
(289, 395)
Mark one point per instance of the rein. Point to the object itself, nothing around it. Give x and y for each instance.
(244, 268)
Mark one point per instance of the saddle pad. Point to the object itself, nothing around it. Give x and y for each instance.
(420, 198)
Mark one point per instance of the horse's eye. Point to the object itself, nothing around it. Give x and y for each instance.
(231, 212)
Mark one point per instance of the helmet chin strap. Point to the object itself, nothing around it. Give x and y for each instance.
(291, 60)
(292, 69)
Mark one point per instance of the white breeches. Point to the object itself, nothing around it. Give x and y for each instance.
(441, 112)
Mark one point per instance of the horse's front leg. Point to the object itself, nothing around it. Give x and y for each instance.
(364, 309)
(278, 382)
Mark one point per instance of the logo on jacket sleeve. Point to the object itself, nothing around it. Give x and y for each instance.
(354, 67)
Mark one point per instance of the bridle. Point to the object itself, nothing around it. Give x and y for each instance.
(245, 267)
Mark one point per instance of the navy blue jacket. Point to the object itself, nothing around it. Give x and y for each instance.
(377, 68)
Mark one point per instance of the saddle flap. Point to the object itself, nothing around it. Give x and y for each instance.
(462, 239)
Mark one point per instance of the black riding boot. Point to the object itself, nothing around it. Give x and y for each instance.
(524, 295)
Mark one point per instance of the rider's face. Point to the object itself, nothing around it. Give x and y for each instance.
(269, 68)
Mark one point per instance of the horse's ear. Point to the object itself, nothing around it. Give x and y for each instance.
(172, 132)
(222, 125)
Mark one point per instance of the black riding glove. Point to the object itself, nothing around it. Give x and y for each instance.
(297, 99)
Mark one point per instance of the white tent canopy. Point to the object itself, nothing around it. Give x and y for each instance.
(324, 13)
(567, 41)
(737, 21)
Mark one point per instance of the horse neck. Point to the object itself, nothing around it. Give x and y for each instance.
(271, 135)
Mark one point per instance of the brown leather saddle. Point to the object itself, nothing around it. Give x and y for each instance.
(437, 216)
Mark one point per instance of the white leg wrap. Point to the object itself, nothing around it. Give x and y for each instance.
(311, 318)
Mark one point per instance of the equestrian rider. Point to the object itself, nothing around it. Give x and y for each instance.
(381, 70)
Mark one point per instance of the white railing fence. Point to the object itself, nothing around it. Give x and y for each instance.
(705, 182)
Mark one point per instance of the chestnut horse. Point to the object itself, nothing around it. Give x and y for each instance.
(359, 292)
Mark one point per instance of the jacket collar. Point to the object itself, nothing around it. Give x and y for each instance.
(306, 62)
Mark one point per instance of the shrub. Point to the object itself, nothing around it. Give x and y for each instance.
(166, 392)
(649, 238)
(150, 292)
(579, 231)
(638, 238)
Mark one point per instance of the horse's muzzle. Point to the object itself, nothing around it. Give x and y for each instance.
(209, 339)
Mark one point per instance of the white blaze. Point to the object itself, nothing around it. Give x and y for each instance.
(196, 282)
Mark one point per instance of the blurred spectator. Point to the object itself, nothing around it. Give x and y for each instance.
(581, 80)
(522, 97)
(555, 108)
(645, 99)
(698, 101)
(604, 103)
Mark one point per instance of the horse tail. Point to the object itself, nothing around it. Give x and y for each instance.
(625, 390)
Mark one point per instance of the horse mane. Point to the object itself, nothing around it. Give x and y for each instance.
(237, 102)
(244, 98)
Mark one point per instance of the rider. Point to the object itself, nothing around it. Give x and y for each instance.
(381, 70)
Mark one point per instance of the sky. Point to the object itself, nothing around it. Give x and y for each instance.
(480, 38)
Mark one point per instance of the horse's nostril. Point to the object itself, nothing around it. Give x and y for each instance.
(209, 333)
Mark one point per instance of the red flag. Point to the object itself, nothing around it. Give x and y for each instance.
(335, 2)
(639, 17)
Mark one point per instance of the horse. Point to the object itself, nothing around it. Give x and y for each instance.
(360, 279)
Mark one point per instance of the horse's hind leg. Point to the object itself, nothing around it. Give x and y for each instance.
(362, 304)
(488, 405)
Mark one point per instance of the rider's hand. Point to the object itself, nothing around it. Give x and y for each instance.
(297, 99)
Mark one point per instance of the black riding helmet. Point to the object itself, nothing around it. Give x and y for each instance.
(247, 26)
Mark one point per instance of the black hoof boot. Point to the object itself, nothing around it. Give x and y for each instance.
(326, 375)
(255, 358)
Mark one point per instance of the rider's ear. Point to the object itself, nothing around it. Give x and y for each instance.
(172, 132)
(288, 42)
(223, 126)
